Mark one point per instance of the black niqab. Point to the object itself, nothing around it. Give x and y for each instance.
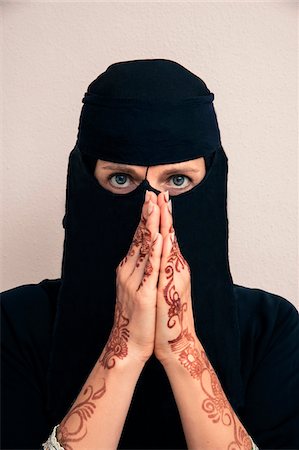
(143, 112)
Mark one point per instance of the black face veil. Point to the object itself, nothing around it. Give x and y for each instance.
(143, 112)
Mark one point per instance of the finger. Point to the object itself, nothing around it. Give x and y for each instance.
(153, 197)
(166, 274)
(172, 263)
(150, 231)
(166, 222)
(129, 261)
(151, 266)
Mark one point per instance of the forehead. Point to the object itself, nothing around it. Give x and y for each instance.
(187, 165)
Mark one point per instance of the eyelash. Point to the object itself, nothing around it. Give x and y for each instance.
(130, 177)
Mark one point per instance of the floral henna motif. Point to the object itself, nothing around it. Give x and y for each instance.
(145, 243)
(175, 262)
(117, 343)
(138, 236)
(215, 404)
(74, 430)
(242, 440)
(142, 238)
(148, 270)
(176, 258)
(195, 360)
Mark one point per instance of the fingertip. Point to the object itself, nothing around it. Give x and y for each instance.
(154, 197)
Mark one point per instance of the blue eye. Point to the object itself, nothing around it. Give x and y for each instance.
(123, 180)
(180, 181)
(120, 179)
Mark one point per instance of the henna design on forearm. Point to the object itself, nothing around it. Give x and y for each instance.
(117, 343)
(73, 430)
(194, 359)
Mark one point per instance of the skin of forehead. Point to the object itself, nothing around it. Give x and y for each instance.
(196, 164)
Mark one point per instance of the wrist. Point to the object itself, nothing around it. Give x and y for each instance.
(132, 359)
(175, 359)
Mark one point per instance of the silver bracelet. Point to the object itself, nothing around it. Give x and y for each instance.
(52, 443)
(254, 446)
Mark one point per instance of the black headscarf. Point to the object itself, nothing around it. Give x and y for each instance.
(143, 112)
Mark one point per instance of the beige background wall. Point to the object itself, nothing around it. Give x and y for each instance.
(246, 52)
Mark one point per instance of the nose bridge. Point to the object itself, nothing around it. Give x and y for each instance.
(148, 187)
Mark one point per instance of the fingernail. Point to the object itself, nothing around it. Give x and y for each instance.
(169, 204)
(147, 196)
(150, 208)
(166, 196)
(172, 237)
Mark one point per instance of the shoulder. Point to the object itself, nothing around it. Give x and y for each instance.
(27, 318)
(31, 301)
(252, 298)
(28, 313)
(269, 332)
(263, 312)
(266, 321)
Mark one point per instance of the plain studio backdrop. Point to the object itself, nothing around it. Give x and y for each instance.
(246, 52)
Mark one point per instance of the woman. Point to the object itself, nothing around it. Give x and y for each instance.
(145, 342)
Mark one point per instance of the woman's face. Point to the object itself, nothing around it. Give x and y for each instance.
(175, 178)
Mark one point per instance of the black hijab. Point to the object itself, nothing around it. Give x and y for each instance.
(143, 112)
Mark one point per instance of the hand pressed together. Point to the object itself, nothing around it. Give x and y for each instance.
(153, 293)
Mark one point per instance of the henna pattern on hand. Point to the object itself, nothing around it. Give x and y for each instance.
(148, 270)
(195, 360)
(74, 430)
(117, 343)
(142, 238)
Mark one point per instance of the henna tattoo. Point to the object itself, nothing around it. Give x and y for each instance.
(175, 262)
(194, 359)
(142, 238)
(148, 270)
(145, 242)
(73, 430)
(117, 343)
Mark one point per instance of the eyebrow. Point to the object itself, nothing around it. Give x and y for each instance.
(133, 171)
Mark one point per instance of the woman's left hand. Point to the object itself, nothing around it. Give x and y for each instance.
(175, 338)
(177, 346)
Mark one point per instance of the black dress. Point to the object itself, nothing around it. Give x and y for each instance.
(269, 331)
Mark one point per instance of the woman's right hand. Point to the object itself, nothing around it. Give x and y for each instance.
(133, 332)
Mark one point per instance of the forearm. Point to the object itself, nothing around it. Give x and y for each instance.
(208, 419)
(96, 418)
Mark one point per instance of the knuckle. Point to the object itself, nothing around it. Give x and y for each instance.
(120, 279)
(130, 288)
